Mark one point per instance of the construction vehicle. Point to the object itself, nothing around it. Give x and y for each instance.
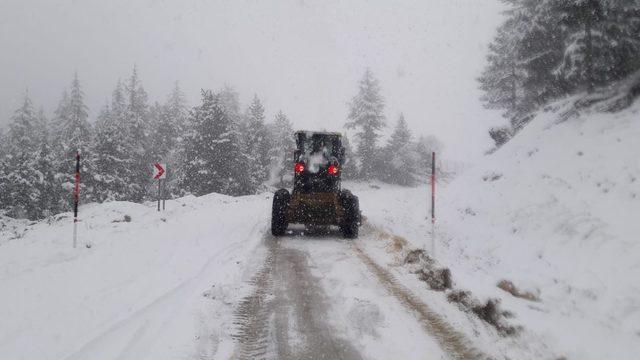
(317, 198)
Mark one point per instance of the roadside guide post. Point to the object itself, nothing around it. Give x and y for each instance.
(76, 199)
(433, 204)
(160, 173)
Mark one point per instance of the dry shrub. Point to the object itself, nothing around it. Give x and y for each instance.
(398, 243)
(415, 256)
(509, 287)
(383, 235)
(489, 312)
(437, 279)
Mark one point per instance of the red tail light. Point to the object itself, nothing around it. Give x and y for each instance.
(333, 170)
(299, 168)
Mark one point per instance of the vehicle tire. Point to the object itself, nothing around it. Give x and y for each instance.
(351, 222)
(279, 212)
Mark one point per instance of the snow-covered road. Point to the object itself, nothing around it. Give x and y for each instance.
(315, 298)
(205, 280)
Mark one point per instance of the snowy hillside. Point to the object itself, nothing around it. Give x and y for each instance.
(555, 211)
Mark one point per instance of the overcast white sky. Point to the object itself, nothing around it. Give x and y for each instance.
(304, 57)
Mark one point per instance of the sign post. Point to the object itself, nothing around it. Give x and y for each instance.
(160, 173)
(76, 199)
(433, 204)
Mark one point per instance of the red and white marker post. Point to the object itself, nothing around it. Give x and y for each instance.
(76, 199)
(433, 204)
(160, 173)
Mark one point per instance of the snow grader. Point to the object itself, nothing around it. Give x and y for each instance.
(317, 198)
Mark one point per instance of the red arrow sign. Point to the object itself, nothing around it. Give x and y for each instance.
(159, 171)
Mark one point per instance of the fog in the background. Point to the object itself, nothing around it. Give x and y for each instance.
(304, 57)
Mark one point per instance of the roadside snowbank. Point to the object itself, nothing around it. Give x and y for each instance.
(554, 211)
(133, 294)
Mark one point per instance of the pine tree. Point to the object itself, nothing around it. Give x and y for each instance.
(110, 158)
(118, 105)
(256, 145)
(230, 103)
(72, 133)
(173, 125)
(175, 109)
(161, 132)
(167, 126)
(586, 57)
(21, 176)
(623, 27)
(399, 158)
(4, 167)
(282, 148)
(366, 115)
(349, 170)
(425, 146)
(136, 122)
(519, 76)
(211, 152)
(501, 79)
(49, 199)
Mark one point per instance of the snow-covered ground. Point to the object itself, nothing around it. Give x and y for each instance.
(554, 212)
(136, 293)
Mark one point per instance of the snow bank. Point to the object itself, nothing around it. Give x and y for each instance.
(133, 293)
(555, 211)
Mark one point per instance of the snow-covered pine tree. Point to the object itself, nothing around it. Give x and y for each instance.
(136, 119)
(118, 105)
(176, 111)
(110, 158)
(622, 25)
(4, 167)
(256, 145)
(349, 168)
(159, 132)
(230, 103)
(587, 59)
(282, 148)
(424, 147)
(601, 42)
(20, 175)
(168, 122)
(229, 100)
(72, 132)
(211, 153)
(539, 51)
(399, 156)
(501, 80)
(49, 199)
(366, 114)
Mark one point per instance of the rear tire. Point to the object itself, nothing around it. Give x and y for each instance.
(279, 212)
(351, 222)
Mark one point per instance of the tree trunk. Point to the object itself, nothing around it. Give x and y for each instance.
(589, 55)
(514, 90)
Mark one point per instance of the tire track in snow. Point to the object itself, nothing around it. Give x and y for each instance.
(451, 341)
(285, 294)
(143, 333)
